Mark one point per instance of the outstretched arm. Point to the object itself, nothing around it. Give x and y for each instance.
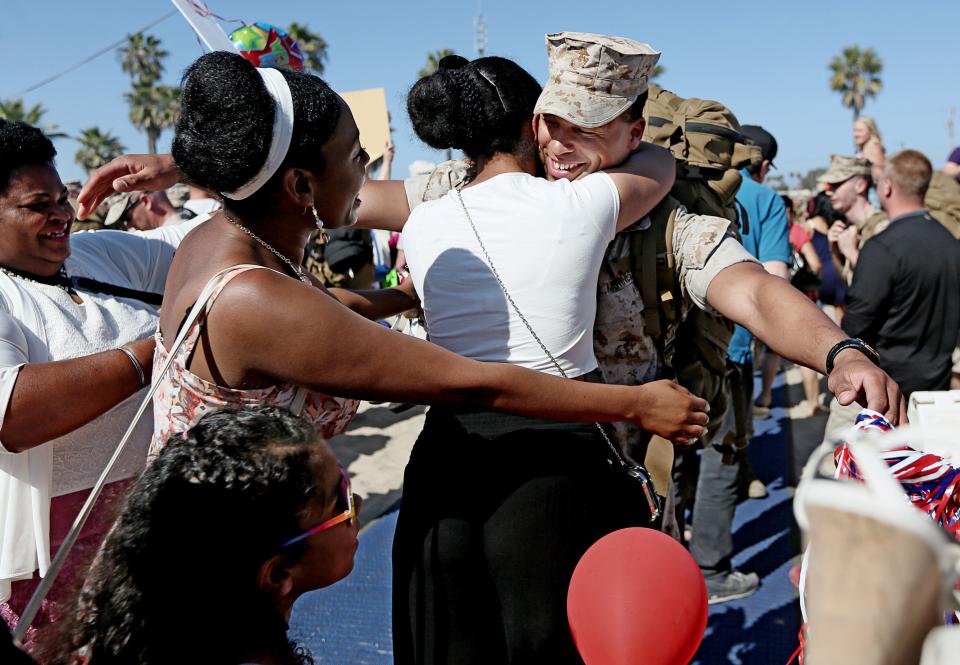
(796, 329)
(331, 349)
(383, 205)
(126, 174)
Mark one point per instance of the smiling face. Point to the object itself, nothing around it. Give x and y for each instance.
(35, 219)
(570, 151)
(345, 170)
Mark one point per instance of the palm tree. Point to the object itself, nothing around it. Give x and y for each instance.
(142, 57)
(153, 108)
(314, 46)
(657, 71)
(96, 148)
(433, 61)
(856, 76)
(14, 110)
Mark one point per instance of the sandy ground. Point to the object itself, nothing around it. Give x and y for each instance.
(375, 449)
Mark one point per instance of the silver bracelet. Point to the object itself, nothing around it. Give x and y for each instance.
(136, 365)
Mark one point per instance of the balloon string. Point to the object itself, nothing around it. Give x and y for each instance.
(202, 9)
(798, 654)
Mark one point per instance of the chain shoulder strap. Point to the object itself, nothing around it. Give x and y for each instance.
(503, 287)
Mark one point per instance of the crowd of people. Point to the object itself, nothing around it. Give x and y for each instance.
(579, 304)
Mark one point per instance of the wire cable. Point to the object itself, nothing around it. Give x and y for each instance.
(96, 55)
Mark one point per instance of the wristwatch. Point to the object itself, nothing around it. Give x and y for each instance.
(852, 343)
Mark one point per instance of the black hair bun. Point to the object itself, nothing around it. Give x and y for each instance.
(450, 62)
(459, 106)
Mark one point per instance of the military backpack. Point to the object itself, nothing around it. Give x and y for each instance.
(704, 138)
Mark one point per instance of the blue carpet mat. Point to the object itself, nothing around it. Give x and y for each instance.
(762, 628)
(349, 623)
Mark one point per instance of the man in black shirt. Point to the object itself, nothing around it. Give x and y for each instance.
(905, 296)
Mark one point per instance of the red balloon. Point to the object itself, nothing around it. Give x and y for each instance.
(637, 597)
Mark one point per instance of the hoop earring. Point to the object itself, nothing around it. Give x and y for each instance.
(319, 223)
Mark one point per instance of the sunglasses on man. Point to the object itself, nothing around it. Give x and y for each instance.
(344, 501)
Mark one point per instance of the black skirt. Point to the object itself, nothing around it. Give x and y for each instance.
(497, 510)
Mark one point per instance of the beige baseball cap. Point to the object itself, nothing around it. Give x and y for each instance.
(117, 206)
(844, 167)
(594, 78)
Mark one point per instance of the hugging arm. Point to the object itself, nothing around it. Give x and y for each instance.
(643, 180)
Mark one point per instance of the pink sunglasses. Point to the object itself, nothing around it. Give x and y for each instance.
(349, 513)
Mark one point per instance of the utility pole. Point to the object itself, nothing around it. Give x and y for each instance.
(479, 32)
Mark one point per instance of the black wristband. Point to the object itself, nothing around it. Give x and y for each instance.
(852, 343)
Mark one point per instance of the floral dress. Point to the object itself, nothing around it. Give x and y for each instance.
(182, 397)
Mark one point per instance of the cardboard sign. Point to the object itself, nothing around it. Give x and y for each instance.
(369, 108)
(203, 23)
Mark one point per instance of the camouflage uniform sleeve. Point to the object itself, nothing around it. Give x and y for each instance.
(703, 245)
(433, 185)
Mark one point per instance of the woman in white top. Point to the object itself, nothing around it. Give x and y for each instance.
(498, 509)
(76, 318)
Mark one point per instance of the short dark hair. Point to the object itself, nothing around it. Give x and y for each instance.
(478, 107)
(22, 145)
(635, 111)
(787, 202)
(226, 124)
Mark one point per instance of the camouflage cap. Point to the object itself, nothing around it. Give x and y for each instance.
(117, 206)
(178, 195)
(594, 78)
(844, 167)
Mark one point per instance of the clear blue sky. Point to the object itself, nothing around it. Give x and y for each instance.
(766, 60)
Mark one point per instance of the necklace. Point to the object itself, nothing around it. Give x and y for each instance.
(298, 271)
(60, 280)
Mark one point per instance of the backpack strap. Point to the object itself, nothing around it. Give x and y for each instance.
(96, 286)
(643, 265)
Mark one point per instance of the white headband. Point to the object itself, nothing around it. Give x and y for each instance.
(282, 133)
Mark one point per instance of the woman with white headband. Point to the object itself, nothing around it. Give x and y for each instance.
(284, 151)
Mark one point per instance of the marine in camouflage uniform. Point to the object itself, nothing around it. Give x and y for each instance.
(593, 80)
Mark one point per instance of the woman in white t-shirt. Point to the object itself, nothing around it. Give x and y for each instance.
(497, 509)
(77, 314)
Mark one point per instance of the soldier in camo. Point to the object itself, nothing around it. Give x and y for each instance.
(595, 79)
(595, 83)
(848, 182)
